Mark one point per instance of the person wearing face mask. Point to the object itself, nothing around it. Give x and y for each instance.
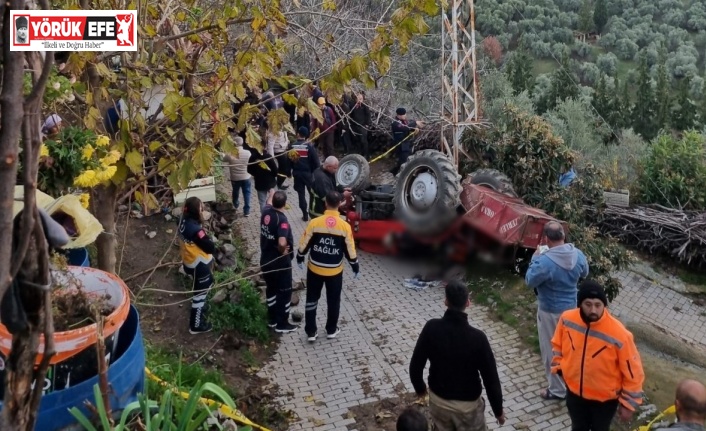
(599, 362)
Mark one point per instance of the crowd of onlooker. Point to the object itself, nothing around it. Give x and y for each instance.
(590, 358)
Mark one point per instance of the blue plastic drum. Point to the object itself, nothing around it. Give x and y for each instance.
(126, 376)
(78, 257)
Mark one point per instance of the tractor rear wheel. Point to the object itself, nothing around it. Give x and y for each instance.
(427, 193)
(494, 180)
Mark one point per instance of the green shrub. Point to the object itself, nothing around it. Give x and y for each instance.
(534, 157)
(673, 173)
(65, 162)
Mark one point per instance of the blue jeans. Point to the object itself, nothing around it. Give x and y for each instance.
(262, 199)
(246, 186)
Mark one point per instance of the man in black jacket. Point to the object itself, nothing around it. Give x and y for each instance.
(263, 168)
(459, 356)
(307, 161)
(360, 122)
(324, 181)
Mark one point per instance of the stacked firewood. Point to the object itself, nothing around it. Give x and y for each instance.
(660, 230)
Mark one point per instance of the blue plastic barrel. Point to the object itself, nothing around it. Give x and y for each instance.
(126, 376)
(78, 257)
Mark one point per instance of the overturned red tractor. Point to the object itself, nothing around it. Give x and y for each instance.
(430, 209)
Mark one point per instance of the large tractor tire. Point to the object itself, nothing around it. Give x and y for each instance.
(353, 173)
(494, 180)
(427, 193)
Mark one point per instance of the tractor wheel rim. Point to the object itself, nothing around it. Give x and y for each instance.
(347, 173)
(423, 190)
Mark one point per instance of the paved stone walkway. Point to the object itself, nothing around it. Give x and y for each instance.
(380, 322)
(656, 302)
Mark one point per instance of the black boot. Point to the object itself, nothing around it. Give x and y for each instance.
(198, 323)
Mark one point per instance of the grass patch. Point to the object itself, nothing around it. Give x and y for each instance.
(624, 67)
(549, 65)
(693, 278)
(171, 367)
(243, 309)
(544, 66)
(508, 299)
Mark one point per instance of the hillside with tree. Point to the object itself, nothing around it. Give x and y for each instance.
(639, 63)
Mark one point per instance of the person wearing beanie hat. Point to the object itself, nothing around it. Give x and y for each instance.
(590, 289)
(237, 170)
(303, 166)
(21, 30)
(554, 275)
(599, 362)
(401, 131)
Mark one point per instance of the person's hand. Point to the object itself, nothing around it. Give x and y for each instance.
(422, 398)
(300, 265)
(624, 414)
(270, 193)
(420, 124)
(347, 194)
(501, 419)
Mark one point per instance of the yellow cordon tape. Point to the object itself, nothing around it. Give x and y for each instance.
(224, 409)
(669, 411)
(391, 149)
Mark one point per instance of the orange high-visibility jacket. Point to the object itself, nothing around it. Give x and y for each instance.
(599, 362)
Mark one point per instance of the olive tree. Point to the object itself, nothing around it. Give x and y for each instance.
(683, 62)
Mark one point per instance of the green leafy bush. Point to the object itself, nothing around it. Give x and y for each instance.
(534, 157)
(59, 89)
(65, 161)
(673, 172)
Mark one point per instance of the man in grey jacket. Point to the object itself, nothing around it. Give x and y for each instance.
(554, 275)
(237, 171)
(691, 407)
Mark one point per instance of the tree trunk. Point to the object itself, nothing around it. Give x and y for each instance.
(10, 131)
(104, 198)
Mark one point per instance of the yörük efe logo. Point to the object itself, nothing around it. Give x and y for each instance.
(74, 30)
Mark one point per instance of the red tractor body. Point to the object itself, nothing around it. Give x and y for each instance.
(489, 221)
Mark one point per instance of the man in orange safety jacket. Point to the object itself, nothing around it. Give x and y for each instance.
(599, 362)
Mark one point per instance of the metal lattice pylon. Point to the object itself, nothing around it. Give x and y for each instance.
(459, 99)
